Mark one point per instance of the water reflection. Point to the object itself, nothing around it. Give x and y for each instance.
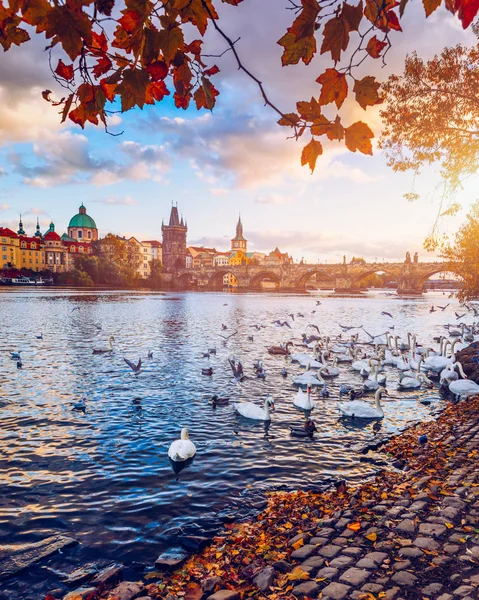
(104, 475)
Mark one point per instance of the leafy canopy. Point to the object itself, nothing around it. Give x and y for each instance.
(464, 254)
(136, 52)
(431, 115)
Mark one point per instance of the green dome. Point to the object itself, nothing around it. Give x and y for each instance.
(82, 220)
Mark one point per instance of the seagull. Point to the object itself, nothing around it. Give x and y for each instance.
(212, 351)
(443, 307)
(16, 355)
(346, 328)
(315, 327)
(150, 354)
(135, 368)
(238, 373)
(224, 327)
(458, 317)
(76, 308)
(282, 323)
(227, 337)
(432, 309)
(386, 313)
(291, 315)
(299, 315)
(318, 302)
(39, 337)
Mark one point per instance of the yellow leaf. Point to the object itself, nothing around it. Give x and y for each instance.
(288, 525)
(449, 525)
(462, 540)
(372, 537)
(297, 574)
(297, 545)
(354, 526)
(384, 496)
(311, 152)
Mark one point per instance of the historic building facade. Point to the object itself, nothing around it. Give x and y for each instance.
(174, 241)
(82, 228)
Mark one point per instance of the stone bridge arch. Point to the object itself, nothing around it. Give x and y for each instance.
(186, 280)
(421, 278)
(391, 275)
(266, 274)
(305, 277)
(216, 278)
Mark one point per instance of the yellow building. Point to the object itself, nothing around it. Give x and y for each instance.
(10, 249)
(31, 249)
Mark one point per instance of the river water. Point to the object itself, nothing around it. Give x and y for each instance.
(104, 476)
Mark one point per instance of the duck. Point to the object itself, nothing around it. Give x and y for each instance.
(19, 364)
(216, 401)
(284, 372)
(362, 410)
(80, 405)
(182, 449)
(325, 391)
(303, 401)
(16, 355)
(307, 430)
(414, 383)
(208, 371)
(282, 350)
(39, 337)
(104, 349)
(250, 410)
(463, 388)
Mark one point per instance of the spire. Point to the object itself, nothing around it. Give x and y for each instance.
(20, 227)
(38, 233)
(174, 218)
(239, 227)
(52, 226)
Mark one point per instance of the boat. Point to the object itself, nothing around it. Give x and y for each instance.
(24, 281)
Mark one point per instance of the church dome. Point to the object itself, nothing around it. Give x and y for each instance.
(82, 220)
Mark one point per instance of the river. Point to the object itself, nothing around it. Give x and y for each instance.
(104, 476)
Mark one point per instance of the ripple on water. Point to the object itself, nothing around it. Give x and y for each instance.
(104, 476)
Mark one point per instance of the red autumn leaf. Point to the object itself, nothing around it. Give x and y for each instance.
(288, 120)
(156, 91)
(335, 87)
(170, 39)
(336, 37)
(66, 107)
(211, 71)
(130, 20)
(430, 6)
(366, 91)
(102, 66)
(157, 70)
(80, 116)
(353, 15)
(358, 137)
(393, 21)
(109, 89)
(295, 51)
(99, 43)
(466, 11)
(64, 71)
(132, 88)
(375, 47)
(71, 27)
(310, 153)
(304, 24)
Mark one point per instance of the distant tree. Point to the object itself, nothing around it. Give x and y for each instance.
(431, 115)
(463, 254)
(89, 265)
(130, 53)
(155, 280)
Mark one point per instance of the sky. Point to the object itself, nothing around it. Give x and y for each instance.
(217, 165)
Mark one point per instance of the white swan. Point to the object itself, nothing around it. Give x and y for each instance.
(182, 449)
(374, 381)
(102, 349)
(362, 410)
(308, 378)
(250, 410)
(413, 383)
(330, 371)
(303, 401)
(449, 374)
(464, 388)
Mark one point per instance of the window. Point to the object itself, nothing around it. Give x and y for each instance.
(34, 246)
(4, 257)
(80, 234)
(4, 248)
(145, 265)
(23, 245)
(89, 234)
(145, 250)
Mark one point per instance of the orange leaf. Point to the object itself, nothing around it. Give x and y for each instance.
(372, 536)
(366, 91)
(336, 37)
(294, 51)
(64, 71)
(297, 545)
(375, 47)
(354, 526)
(335, 130)
(353, 15)
(430, 6)
(297, 574)
(335, 87)
(449, 525)
(310, 153)
(309, 110)
(289, 120)
(71, 27)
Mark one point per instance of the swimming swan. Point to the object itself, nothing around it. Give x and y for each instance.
(362, 410)
(250, 410)
(182, 449)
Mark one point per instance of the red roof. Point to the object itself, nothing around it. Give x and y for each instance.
(154, 243)
(31, 240)
(52, 235)
(5, 232)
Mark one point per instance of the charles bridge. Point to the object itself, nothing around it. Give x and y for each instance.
(410, 276)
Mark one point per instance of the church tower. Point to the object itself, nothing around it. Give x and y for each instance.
(174, 241)
(238, 242)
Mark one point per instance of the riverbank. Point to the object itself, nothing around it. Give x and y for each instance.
(410, 532)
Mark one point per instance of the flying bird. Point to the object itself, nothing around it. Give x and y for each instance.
(315, 327)
(458, 316)
(135, 368)
(388, 314)
(443, 307)
(432, 309)
(237, 369)
(346, 328)
(227, 337)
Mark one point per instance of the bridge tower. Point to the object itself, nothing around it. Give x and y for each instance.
(238, 242)
(174, 241)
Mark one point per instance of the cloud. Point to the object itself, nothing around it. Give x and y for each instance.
(67, 158)
(35, 211)
(219, 191)
(274, 198)
(5, 206)
(115, 200)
